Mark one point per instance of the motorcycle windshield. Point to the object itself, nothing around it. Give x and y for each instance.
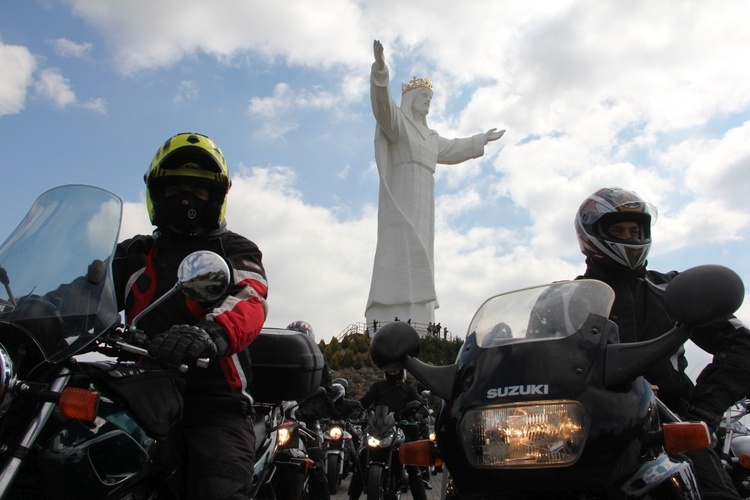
(56, 270)
(543, 312)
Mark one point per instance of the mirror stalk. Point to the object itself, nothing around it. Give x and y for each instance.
(438, 379)
(626, 362)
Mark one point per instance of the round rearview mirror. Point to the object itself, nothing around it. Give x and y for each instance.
(704, 294)
(391, 344)
(203, 276)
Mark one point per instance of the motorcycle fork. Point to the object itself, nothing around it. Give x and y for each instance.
(14, 465)
(385, 461)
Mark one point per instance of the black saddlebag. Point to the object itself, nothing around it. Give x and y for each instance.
(285, 365)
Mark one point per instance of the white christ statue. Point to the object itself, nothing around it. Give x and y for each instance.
(406, 153)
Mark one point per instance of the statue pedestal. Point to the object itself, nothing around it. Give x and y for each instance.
(420, 314)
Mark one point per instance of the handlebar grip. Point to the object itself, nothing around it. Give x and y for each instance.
(200, 362)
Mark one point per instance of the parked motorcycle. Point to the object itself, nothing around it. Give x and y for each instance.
(74, 424)
(339, 449)
(543, 401)
(383, 476)
(733, 446)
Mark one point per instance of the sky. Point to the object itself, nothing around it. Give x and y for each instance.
(650, 96)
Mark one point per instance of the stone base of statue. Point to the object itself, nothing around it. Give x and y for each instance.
(419, 314)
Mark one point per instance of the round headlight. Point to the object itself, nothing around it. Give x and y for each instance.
(335, 433)
(7, 380)
(284, 435)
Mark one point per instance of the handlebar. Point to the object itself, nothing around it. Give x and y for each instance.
(120, 344)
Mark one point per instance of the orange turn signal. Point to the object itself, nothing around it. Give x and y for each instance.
(417, 453)
(79, 404)
(685, 436)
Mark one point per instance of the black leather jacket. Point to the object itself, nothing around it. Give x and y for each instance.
(145, 267)
(640, 315)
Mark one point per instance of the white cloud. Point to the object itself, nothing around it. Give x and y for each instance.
(18, 67)
(187, 91)
(52, 85)
(271, 107)
(69, 48)
(97, 105)
(152, 34)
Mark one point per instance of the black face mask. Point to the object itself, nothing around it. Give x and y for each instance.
(185, 212)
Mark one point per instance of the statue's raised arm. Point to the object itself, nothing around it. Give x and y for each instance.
(377, 49)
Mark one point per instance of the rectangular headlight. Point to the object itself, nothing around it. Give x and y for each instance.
(539, 434)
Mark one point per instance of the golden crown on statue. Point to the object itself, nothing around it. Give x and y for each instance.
(416, 83)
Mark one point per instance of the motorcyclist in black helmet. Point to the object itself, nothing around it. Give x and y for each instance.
(613, 226)
(395, 393)
(343, 408)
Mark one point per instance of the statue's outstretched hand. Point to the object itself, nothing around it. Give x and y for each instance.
(377, 49)
(493, 135)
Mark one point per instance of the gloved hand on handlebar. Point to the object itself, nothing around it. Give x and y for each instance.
(711, 420)
(696, 413)
(184, 344)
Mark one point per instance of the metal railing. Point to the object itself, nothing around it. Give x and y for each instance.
(367, 329)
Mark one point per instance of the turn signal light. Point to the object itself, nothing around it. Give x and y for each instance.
(79, 404)
(685, 436)
(417, 453)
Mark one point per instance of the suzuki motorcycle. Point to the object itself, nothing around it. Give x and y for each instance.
(73, 423)
(544, 402)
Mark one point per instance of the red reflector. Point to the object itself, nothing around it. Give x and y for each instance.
(79, 404)
(685, 436)
(745, 461)
(417, 453)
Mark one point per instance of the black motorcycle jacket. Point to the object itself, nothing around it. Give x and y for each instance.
(394, 395)
(346, 408)
(145, 267)
(639, 313)
(320, 405)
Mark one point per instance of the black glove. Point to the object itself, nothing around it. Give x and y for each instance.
(182, 344)
(711, 420)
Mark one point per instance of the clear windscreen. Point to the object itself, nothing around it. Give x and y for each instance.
(56, 278)
(544, 312)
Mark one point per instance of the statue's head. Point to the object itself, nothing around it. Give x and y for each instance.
(416, 97)
(416, 83)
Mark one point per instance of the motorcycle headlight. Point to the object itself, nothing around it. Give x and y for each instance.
(374, 442)
(540, 434)
(7, 380)
(335, 433)
(284, 435)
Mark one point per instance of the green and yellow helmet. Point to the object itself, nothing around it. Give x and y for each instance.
(193, 156)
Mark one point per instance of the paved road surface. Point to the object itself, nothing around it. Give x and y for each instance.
(433, 494)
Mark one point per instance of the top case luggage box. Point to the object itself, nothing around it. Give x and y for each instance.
(285, 365)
